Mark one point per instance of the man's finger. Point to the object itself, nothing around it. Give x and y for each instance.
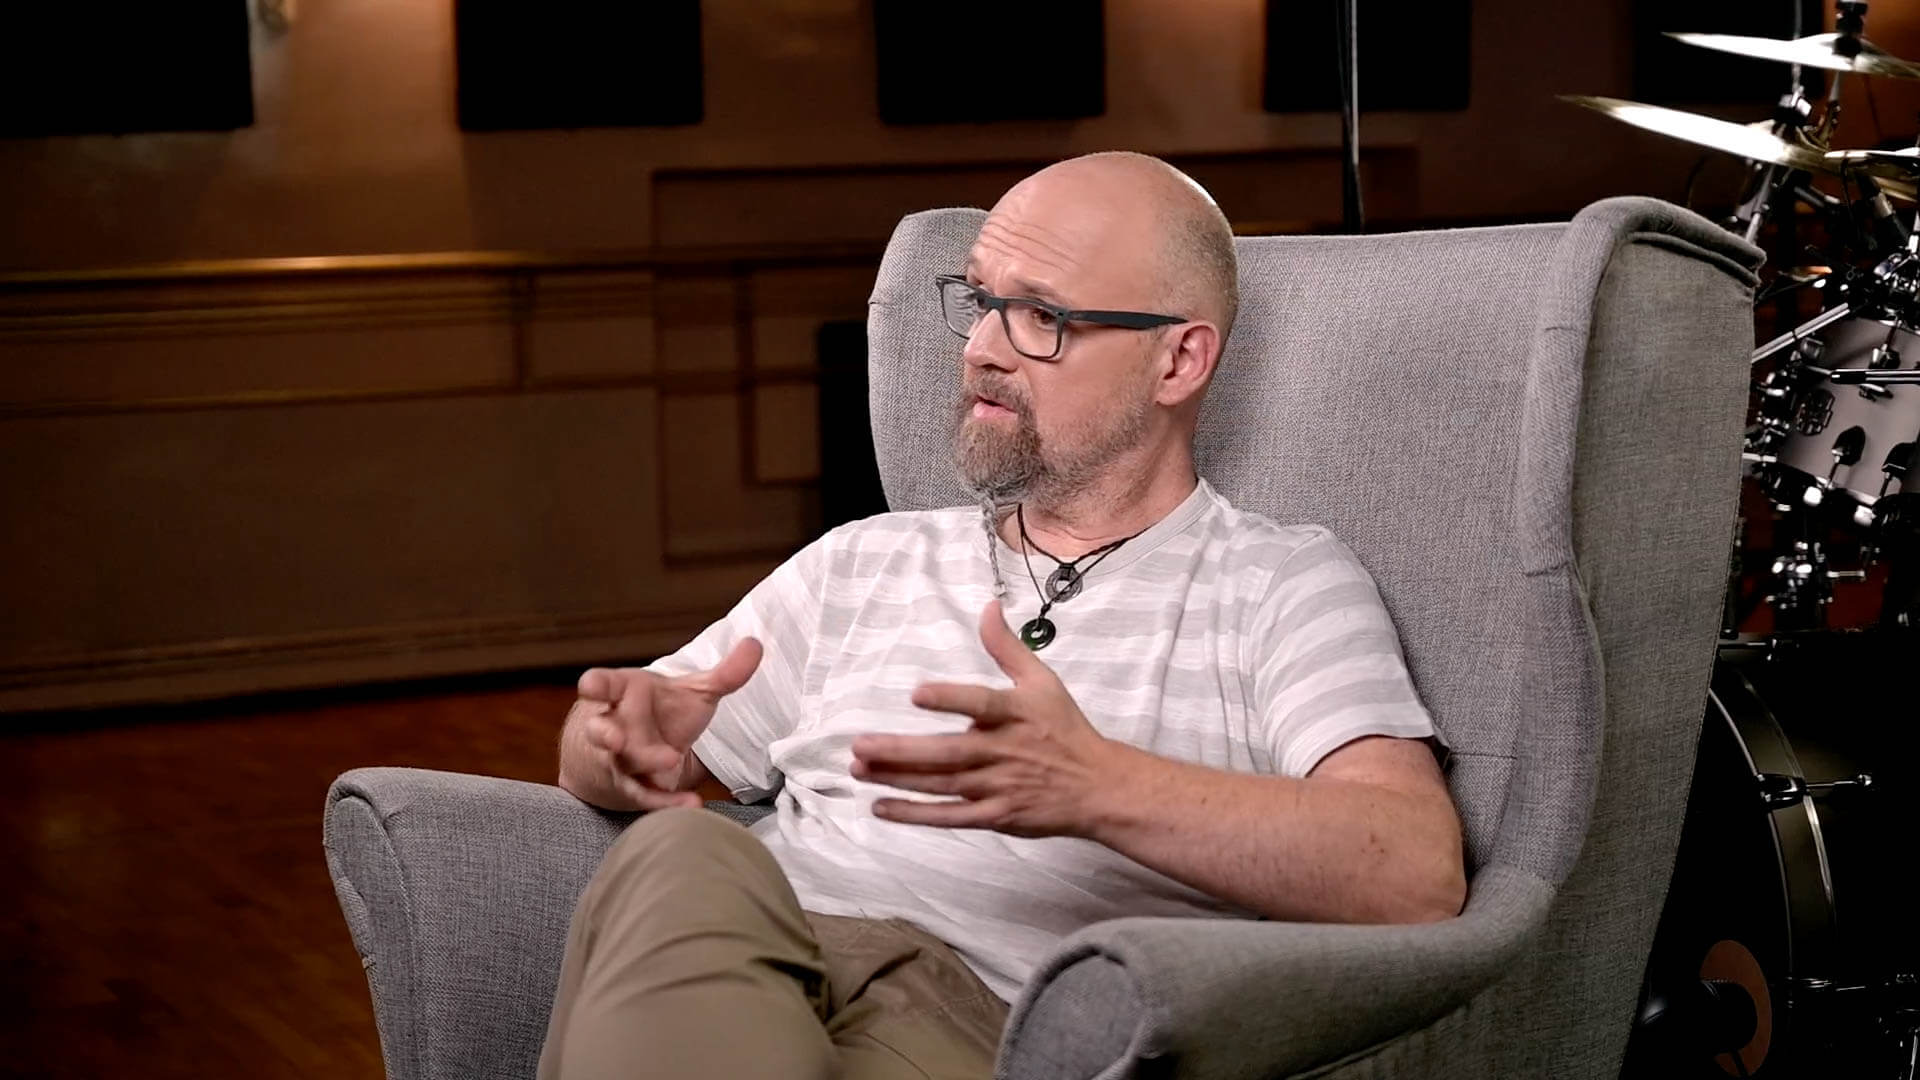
(923, 753)
(732, 673)
(929, 783)
(604, 734)
(604, 685)
(658, 757)
(646, 798)
(986, 705)
(950, 814)
(1008, 651)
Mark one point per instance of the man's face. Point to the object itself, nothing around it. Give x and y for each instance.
(1022, 424)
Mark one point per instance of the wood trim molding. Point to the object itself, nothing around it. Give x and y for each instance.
(255, 664)
(710, 257)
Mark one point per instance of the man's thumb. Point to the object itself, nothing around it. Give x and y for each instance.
(733, 672)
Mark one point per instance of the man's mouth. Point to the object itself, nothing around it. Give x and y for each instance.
(985, 407)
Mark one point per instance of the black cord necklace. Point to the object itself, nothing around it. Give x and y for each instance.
(1063, 584)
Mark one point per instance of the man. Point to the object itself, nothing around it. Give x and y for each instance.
(1202, 713)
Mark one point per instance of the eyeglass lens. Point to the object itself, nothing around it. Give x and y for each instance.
(1032, 330)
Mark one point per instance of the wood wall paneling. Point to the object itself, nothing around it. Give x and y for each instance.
(1293, 189)
(715, 508)
(786, 433)
(165, 344)
(222, 485)
(592, 325)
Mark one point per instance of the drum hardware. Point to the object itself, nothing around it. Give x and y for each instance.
(1827, 457)
(1785, 948)
(1869, 378)
(1791, 903)
(1799, 334)
(1778, 790)
(1846, 451)
(1701, 1018)
(1899, 461)
(1847, 448)
(1802, 587)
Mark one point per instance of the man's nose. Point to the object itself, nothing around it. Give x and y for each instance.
(988, 346)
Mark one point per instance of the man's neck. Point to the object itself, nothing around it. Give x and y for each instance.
(1118, 506)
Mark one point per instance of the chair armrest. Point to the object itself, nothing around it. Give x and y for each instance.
(1245, 998)
(458, 891)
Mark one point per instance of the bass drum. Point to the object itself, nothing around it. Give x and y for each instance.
(1790, 881)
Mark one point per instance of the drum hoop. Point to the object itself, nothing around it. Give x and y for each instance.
(1811, 922)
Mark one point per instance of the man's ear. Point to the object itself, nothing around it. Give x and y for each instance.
(1193, 351)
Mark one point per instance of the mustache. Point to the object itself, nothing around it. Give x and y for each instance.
(1000, 391)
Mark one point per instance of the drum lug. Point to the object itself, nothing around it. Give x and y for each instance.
(1778, 790)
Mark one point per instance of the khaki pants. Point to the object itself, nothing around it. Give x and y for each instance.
(689, 957)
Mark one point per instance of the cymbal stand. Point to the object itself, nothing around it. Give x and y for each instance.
(1790, 116)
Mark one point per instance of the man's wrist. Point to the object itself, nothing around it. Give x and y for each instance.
(1117, 804)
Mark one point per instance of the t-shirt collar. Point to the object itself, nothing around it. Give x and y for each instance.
(1177, 521)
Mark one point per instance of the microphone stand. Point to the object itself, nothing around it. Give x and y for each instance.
(1352, 210)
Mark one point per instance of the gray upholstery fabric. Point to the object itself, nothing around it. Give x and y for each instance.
(458, 891)
(1245, 998)
(1529, 435)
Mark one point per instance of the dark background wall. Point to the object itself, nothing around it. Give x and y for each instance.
(229, 479)
(354, 146)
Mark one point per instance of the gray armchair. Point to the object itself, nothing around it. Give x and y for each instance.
(1529, 434)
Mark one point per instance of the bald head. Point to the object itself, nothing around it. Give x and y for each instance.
(1112, 409)
(1188, 245)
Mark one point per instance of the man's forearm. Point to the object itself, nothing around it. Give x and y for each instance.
(1321, 850)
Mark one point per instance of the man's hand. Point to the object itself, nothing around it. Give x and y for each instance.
(627, 743)
(1031, 765)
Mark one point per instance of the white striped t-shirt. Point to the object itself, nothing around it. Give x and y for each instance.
(1215, 637)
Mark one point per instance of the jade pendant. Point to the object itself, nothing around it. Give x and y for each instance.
(1037, 633)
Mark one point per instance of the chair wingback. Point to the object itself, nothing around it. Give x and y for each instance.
(1470, 411)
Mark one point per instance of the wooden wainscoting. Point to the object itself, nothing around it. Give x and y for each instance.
(241, 476)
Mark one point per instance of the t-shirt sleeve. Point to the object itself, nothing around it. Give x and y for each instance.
(1329, 668)
(781, 611)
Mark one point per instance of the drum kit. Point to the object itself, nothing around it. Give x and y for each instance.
(1785, 948)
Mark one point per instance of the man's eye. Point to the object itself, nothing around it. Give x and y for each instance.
(1040, 316)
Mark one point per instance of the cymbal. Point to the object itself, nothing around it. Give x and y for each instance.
(1894, 170)
(1815, 50)
(1895, 163)
(1754, 142)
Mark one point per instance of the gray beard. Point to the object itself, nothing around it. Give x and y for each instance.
(995, 464)
(1000, 466)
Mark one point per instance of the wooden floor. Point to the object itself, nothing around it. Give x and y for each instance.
(165, 908)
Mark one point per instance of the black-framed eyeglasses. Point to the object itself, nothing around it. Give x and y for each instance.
(1034, 328)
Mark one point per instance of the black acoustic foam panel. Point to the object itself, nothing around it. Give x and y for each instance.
(121, 66)
(527, 64)
(1412, 56)
(990, 60)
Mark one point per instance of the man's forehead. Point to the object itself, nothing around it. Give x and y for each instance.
(1032, 251)
(1053, 245)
